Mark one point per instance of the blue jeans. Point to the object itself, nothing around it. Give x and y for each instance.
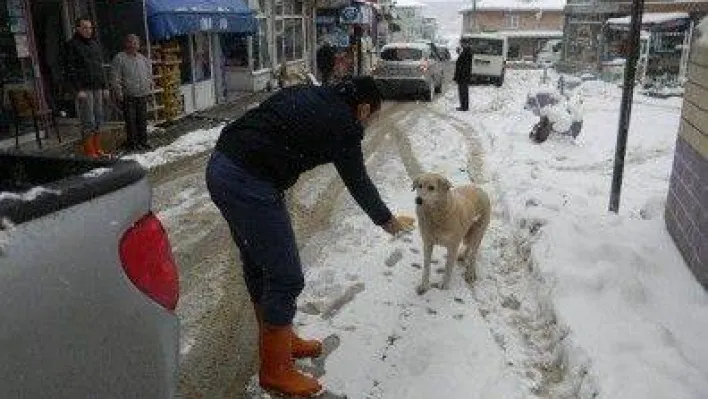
(260, 225)
(90, 111)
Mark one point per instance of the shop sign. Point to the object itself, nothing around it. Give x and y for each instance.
(356, 15)
(209, 24)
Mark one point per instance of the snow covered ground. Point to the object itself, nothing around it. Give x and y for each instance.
(570, 301)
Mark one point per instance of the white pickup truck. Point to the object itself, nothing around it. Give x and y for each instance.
(89, 284)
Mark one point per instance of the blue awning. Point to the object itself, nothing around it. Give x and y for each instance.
(168, 18)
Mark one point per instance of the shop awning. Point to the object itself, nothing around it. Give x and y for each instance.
(168, 18)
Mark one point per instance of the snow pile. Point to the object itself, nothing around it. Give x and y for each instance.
(96, 172)
(617, 281)
(6, 227)
(29, 195)
(192, 143)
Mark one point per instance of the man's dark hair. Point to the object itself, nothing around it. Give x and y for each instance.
(359, 90)
(78, 21)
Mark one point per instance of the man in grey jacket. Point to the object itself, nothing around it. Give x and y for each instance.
(132, 86)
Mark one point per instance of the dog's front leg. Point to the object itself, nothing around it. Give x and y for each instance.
(449, 264)
(427, 257)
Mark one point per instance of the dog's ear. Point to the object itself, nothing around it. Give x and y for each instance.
(415, 183)
(444, 183)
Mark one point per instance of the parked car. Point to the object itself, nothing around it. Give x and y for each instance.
(489, 55)
(88, 280)
(410, 68)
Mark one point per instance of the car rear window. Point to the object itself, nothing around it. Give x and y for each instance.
(401, 54)
(486, 46)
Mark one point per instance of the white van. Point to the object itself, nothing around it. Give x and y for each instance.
(489, 51)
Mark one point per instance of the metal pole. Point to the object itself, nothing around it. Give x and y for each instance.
(359, 53)
(626, 106)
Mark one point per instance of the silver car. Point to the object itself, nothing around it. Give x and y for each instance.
(410, 68)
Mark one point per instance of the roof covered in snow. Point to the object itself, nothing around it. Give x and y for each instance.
(409, 3)
(532, 33)
(650, 18)
(521, 5)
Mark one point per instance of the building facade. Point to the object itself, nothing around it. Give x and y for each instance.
(587, 35)
(409, 19)
(527, 24)
(687, 203)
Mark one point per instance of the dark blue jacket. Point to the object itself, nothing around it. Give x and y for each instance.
(300, 128)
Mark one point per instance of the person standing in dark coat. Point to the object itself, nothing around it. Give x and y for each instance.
(85, 78)
(463, 75)
(256, 159)
(325, 61)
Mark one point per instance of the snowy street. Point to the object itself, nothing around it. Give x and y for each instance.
(570, 301)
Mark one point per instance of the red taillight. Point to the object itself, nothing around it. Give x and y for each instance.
(424, 66)
(147, 260)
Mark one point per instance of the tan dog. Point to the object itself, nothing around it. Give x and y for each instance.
(448, 217)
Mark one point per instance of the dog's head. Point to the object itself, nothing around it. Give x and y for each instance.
(430, 188)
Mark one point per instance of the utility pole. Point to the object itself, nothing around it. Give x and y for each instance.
(626, 107)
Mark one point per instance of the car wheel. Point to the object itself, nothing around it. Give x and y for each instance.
(499, 81)
(439, 87)
(430, 94)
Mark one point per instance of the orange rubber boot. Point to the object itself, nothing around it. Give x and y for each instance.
(96, 139)
(278, 372)
(89, 147)
(301, 348)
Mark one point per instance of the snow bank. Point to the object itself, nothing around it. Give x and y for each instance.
(616, 281)
(6, 227)
(29, 195)
(190, 144)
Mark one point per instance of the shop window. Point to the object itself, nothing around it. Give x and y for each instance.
(290, 39)
(202, 57)
(261, 55)
(13, 40)
(294, 39)
(235, 50)
(289, 7)
(668, 42)
(185, 68)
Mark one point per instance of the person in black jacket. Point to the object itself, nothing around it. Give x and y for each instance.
(85, 78)
(259, 156)
(463, 72)
(326, 57)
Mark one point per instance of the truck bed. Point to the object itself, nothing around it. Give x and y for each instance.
(34, 186)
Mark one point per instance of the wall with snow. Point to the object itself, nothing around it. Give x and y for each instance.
(687, 204)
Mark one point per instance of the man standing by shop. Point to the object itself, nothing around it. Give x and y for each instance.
(131, 80)
(85, 78)
(463, 75)
(325, 61)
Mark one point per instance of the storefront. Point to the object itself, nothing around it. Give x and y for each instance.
(190, 64)
(665, 43)
(16, 58)
(353, 28)
(281, 38)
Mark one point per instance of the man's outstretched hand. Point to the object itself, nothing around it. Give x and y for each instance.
(399, 224)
